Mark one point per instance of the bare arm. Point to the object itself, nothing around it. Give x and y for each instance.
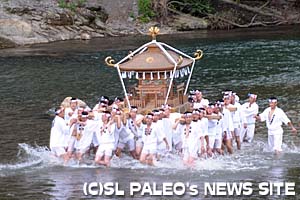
(294, 130)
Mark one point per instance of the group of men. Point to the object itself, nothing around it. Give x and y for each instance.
(207, 129)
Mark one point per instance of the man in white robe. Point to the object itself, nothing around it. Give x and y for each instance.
(250, 110)
(274, 118)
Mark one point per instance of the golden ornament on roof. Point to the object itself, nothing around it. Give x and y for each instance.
(198, 55)
(110, 61)
(153, 32)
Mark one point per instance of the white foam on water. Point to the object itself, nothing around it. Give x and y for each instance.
(30, 157)
(253, 156)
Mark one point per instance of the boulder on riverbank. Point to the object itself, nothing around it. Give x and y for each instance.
(42, 21)
(24, 22)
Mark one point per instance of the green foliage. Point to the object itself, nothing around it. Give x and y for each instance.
(145, 10)
(71, 4)
(193, 7)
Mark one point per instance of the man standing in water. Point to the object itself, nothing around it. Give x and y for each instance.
(274, 118)
(150, 137)
(250, 110)
(105, 134)
(59, 131)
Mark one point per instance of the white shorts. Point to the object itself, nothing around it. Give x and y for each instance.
(237, 132)
(82, 150)
(104, 150)
(149, 150)
(227, 136)
(58, 151)
(139, 142)
(275, 142)
(218, 144)
(187, 152)
(130, 143)
(212, 139)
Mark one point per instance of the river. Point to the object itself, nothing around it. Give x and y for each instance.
(36, 79)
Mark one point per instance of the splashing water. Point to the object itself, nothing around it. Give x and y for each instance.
(252, 157)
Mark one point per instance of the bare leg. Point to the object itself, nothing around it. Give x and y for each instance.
(229, 146)
(209, 152)
(118, 152)
(220, 151)
(143, 158)
(150, 159)
(138, 150)
(107, 161)
(238, 142)
(191, 161)
(133, 154)
(98, 158)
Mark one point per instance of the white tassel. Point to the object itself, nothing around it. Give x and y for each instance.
(123, 74)
(171, 74)
(176, 74)
(136, 75)
(144, 75)
(129, 74)
(189, 71)
(185, 71)
(165, 75)
(158, 75)
(151, 75)
(181, 73)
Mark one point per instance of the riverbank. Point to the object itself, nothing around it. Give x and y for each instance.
(131, 42)
(39, 21)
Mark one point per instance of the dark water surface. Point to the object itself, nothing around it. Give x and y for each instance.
(34, 80)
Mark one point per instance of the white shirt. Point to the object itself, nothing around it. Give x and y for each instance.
(212, 126)
(204, 126)
(249, 112)
(87, 132)
(167, 127)
(160, 130)
(132, 127)
(150, 141)
(275, 121)
(192, 139)
(238, 116)
(107, 136)
(59, 132)
(125, 133)
(227, 121)
(69, 113)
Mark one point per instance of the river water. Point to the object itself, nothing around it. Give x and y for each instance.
(35, 80)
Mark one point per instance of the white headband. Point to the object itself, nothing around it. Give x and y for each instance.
(134, 109)
(149, 116)
(195, 112)
(272, 100)
(166, 106)
(198, 92)
(254, 96)
(188, 114)
(59, 111)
